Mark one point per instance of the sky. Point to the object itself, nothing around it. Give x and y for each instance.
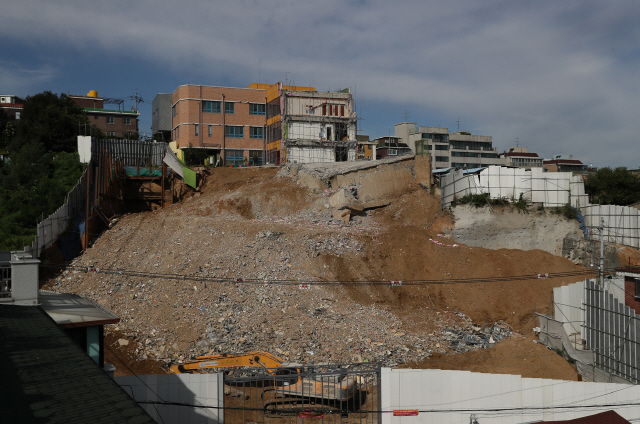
(557, 77)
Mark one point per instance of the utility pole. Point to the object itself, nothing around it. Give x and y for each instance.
(601, 271)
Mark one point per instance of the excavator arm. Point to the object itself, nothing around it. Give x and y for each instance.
(252, 359)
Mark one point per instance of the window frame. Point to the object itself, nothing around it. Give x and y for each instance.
(111, 120)
(210, 130)
(197, 129)
(637, 288)
(215, 106)
(235, 133)
(126, 120)
(229, 108)
(254, 136)
(254, 106)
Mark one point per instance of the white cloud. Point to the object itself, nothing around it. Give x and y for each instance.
(560, 76)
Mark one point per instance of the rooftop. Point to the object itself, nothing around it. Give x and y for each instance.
(51, 379)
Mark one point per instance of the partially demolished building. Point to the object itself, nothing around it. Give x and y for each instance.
(308, 126)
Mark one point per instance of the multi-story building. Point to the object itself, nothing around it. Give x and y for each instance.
(114, 123)
(161, 124)
(459, 149)
(390, 147)
(521, 158)
(305, 125)
(564, 163)
(226, 122)
(11, 105)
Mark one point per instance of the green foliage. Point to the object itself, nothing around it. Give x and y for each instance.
(479, 200)
(566, 210)
(43, 165)
(613, 187)
(521, 204)
(51, 120)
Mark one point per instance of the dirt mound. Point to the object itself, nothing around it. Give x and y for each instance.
(161, 273)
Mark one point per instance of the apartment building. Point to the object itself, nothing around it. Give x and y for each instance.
(306, 126)
(226, 122)
(458, 149)
(520, 157)
(114, 123)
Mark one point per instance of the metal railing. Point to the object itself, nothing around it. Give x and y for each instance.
(291, 393)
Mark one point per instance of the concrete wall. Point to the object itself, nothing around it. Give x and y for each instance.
(84, 148)
(200, 390)
(24, 279)
(450, 397)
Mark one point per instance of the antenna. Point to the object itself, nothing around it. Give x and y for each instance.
(458, 121)
(406, 115)
(517, 142)
(259, 71)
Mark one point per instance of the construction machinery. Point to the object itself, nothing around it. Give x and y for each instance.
(287, 383)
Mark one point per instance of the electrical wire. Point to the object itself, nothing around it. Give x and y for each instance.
(417, 282)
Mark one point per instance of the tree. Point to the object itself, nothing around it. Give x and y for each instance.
(51, 120)
(613, 187)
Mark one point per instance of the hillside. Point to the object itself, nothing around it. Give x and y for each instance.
(264, 228)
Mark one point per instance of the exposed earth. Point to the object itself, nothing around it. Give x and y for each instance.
(171, 276)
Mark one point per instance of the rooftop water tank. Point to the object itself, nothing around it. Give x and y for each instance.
(92, 93)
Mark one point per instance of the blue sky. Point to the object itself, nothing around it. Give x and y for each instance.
(560, 76)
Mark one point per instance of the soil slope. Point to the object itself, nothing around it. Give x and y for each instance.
(272, 233)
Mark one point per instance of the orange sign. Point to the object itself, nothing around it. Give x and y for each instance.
(405, 412)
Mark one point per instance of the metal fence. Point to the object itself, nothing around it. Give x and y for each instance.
(612, 331)
(50, 228)
(131, 152)
(289, 394)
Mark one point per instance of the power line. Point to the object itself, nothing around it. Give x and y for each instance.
(417, 282)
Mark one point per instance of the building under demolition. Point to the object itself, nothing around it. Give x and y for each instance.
(305, 126)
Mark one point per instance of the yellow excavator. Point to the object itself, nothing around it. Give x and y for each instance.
(290, 379)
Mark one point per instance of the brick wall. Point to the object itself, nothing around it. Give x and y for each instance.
(629, 294)
(188, 102)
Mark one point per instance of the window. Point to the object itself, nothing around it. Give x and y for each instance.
(442, 159)
(210, 130)
(229, 107)
(234, 157)
(211, 107)
(111, 133)
(257, 109)
(18, 116)
(393, 152)
(255, 157)
(442, 147)
(126, 121)
(256, 132)
(174, 109)
(111, 120)
(637, 281)
(234, 131)
(197, 129)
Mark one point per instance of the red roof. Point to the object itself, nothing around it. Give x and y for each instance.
(608, 417)
(526, 155)
(563, 162)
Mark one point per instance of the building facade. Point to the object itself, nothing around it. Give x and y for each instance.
(114, 123)
(459, 149)
(11, 105)
(306, 126)
(564, 163)
(390, 147)
(161, 124)
(227, 122)
(519, 157)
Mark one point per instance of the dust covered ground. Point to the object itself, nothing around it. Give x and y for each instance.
(160, 272)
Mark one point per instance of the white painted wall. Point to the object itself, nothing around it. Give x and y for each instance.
(191, 389)
(84, 148)
(450, 397)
